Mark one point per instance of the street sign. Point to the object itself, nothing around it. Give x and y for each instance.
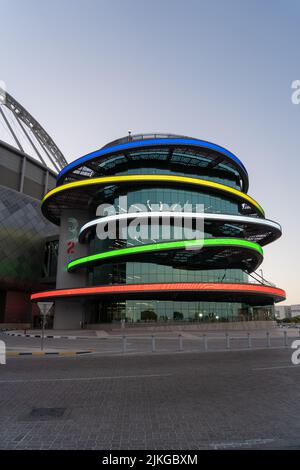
(44, 307)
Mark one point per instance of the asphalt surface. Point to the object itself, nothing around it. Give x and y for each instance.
(216, 400)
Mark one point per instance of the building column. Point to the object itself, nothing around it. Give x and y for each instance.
(70, 314)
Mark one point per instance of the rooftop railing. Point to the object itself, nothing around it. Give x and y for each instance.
(135, 137)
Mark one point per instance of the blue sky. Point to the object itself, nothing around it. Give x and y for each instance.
(89, 70)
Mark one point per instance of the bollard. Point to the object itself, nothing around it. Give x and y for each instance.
(124, 344)
(180, 342)
(249, 340)
(153, 343)
(205, 342)
(227, 341)
(285, 338)
(268, 339)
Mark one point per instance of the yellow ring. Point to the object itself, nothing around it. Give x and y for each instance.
(167, 178)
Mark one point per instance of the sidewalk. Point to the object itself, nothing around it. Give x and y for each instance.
(59, 334)
(147, 332)
(133, 342)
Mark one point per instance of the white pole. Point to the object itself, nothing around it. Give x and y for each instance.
(249, 341)
(285, 338)
(153, 343)
(180, 342)
(205, 342)
(124, 344)
(43, 333)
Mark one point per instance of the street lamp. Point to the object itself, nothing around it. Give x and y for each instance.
(217, 317)
(200, 316)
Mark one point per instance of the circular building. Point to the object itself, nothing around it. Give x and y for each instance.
(158, 228)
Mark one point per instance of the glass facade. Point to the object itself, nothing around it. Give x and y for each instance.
(146, 273)
(211, 203)
(172, 311)
(164, 310)
(172, 160)
(156, 198)
(152, 272)
(143, 273)
(230, 180)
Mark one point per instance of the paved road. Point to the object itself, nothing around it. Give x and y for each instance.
(247, 399)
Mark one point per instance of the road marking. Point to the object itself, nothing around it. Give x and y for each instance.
(82, 379)
(56, 353)
(248, 442)
(276, 367)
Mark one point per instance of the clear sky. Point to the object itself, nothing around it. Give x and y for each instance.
(219, 70)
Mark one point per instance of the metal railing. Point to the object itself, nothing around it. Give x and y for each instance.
(134, 137)
(204, 343)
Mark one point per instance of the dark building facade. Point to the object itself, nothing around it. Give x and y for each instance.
(23, 232)
(168, 274)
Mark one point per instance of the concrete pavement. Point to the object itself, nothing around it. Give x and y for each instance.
(240, 400)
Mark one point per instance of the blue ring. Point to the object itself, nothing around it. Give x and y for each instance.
(145, 143)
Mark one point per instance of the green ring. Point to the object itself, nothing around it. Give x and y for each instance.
(165, 246)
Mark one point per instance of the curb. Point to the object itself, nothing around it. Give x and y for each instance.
(41, 353)
(47, 336)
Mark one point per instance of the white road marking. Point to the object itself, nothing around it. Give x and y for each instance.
(277, 367)
(82, 379)
(248, 442)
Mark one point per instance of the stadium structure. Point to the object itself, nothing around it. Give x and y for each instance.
(29, 162)
(151, 280)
